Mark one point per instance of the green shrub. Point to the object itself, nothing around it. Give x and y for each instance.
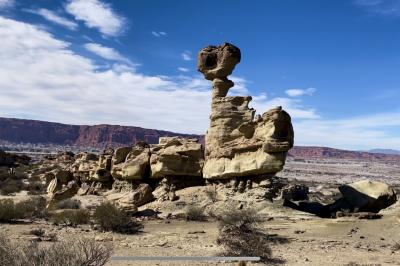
(195, 213)
(71, 217)
(83, 252)
(110, 218)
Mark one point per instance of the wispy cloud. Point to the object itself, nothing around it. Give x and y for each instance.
(186, 55)
(54, 17)
(380, 7)
(73, 89)
(300, 92)
(61, 85)
(159, 33)
(106, 52)
(7, 3)
(183, 69)
(96, 14)
(356, 133)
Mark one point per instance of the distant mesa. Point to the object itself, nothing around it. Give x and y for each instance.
(98, 136)
(385, 151)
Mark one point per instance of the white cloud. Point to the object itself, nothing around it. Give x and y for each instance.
(7, 3)
(106, 52)
(380, 7)
(159, 33)
(354, 133)
(183, 69)
(55, 18)
(261, 103)
(187, 56)
(96, 14)
(300, 92)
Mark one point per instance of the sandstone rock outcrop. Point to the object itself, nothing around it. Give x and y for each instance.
(176, 156)
(363, 196)
(368, 196)
(130, 200)
(237, 143)
(131, 163)
(102, 172)
(64, 193)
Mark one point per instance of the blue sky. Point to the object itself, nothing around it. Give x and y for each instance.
(333, 65)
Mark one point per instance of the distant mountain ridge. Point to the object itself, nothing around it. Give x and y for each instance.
(15, 130)
(327, 153)
(385, 151)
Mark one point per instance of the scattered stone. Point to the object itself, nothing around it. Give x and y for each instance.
(103, 237)
(196, 232)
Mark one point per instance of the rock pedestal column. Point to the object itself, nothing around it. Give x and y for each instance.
(237, 143)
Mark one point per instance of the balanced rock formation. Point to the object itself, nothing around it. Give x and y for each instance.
(177, 156)
(237, 143)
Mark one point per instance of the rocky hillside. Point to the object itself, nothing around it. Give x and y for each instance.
(40, 132)
(326, 153)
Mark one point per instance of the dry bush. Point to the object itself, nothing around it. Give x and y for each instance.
(37, 232)
(80, 253)
(69, 204)
(246, 219)
(395, 247)
(110, 218)
(71, 217)
(28, 209)
(35, 207)
(11, 186)
(240, 235)
(4, 174)
(212, 194)
(8, 212)
(35, 187)
(195, 213)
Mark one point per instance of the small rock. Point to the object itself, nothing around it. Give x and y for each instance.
(196, 232)
(103, 238)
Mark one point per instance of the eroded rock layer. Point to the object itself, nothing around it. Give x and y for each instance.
(238, 143)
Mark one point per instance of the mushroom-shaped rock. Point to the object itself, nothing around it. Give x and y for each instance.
(238, 144)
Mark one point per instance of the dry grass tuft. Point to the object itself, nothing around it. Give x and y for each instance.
(240, 235)
(110, 218)
(81, 252)
(71, 217)
(195, 213)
